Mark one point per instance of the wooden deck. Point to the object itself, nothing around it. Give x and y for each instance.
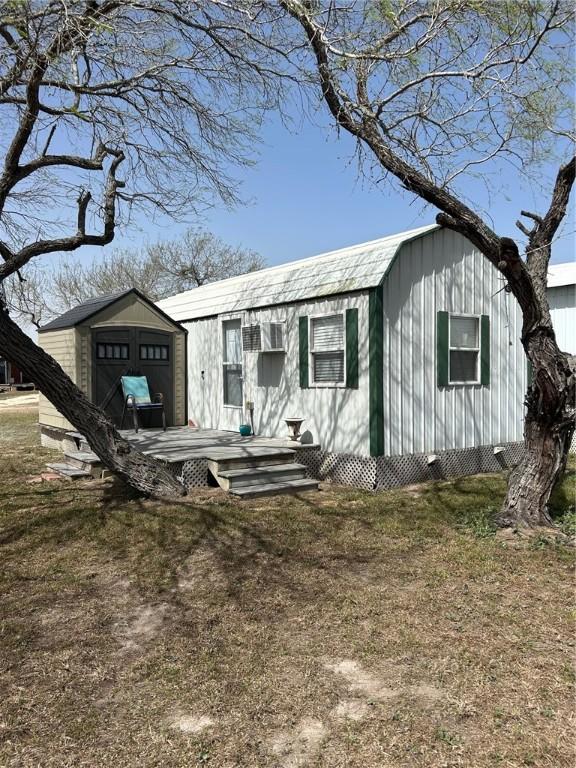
(185, 443)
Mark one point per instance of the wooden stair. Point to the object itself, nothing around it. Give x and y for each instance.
(265, 472)
(80, 463)
(246, 472)
(68, 471)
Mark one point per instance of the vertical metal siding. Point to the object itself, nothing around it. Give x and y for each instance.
(445, 272)
(337, 417)
(562, 301)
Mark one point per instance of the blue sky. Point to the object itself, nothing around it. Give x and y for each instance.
(304, 196)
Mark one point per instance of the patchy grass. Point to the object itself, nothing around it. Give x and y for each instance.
(336, 630)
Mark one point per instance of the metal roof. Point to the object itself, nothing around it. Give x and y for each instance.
(355, 268)
(562, 274)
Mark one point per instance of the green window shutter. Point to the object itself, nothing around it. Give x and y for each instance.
(442, 350)
(485, 350)
(352, 348)
(303, 343)
(376, 370)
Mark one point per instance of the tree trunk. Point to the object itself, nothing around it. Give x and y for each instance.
(548, 431)
(141, 472)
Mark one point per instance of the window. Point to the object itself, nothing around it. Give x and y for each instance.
(153, 351)
(232, 362)
(112, 351)
(464, 349)
(327, 349)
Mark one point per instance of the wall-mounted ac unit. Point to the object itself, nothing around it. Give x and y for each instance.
(251, 338)
(264, 337)
(273, 337)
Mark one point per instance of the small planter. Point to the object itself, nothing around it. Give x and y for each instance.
(294, 425)
(245, 430)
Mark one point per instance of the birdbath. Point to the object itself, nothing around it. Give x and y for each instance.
(294, 425)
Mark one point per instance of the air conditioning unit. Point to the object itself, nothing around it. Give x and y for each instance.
(264, 337)
(273, 337)
(251, 338)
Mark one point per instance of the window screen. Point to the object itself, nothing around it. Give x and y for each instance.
(327, 349)
(464, 332)
(153, 352)
(112, 351)
(232, 362)
(464, 349)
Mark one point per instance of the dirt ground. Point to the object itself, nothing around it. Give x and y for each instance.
(340, 629)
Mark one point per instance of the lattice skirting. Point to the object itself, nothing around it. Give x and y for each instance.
(375, 473)
(192, 473)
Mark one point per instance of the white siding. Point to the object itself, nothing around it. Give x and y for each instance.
(562, 274)
(443, 271)
(563, 312)
(335, 417)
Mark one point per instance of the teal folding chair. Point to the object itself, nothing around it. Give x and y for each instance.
(137, 398)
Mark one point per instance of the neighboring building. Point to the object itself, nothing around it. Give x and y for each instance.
(10, 374)
(98, 342)
(562, 300)
(402, 355)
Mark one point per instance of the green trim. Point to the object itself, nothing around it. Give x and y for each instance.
(376, 370)
(485, 350)
(442, 349)
(352, 348)
(303, 346)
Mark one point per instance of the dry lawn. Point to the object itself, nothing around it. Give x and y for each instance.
(337, 630)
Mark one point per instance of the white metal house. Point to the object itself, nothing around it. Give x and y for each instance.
(401, 354)
(562, 299)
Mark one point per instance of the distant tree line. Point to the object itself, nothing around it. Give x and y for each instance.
(158, 270)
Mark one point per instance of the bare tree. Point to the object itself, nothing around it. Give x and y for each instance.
(435, 91)
(158, 270)
(27, 299)
(107, 107)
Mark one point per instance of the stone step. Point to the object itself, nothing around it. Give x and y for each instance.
(86, 460)
(257, 476)
(275, 489)
(68, 471)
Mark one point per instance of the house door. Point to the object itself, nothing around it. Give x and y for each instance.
(232, 375)
(118, 352)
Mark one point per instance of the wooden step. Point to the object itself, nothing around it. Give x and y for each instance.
(68, 471)
(86, 460)
(275, 489)
(263, 475)
(223, 461)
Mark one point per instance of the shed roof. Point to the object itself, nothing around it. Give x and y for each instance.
(348, 269)
(88, 309)
(562, 274)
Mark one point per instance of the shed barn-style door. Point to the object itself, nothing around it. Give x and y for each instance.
(119, 352)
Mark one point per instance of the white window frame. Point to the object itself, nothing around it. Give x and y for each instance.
(451, 349)
(225, 362)
(326, 384)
